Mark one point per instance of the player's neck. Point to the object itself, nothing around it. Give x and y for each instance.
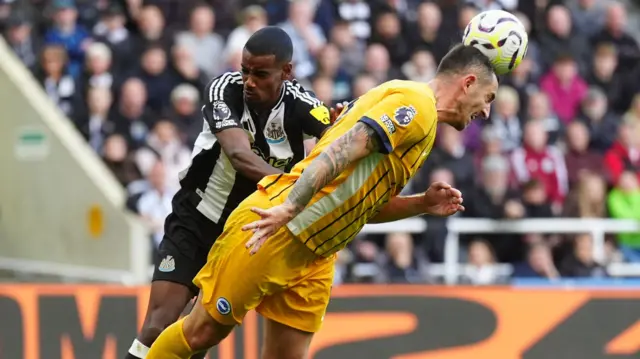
(444, 100)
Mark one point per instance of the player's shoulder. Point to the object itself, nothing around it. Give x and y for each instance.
(301, 98)
(225, 87)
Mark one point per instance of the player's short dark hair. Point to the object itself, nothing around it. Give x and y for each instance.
(271, 40)
(461, 59)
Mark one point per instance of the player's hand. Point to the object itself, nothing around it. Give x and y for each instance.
(272, 220)
(442, 200)
(335, 112)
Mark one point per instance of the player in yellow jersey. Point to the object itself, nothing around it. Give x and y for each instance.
(277, 252)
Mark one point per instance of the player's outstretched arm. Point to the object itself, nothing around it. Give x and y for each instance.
(357, 143)
(236, 147)
(439, 200)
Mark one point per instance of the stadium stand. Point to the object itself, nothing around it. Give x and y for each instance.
(563, 139)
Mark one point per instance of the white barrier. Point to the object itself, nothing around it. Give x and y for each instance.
(456, 226)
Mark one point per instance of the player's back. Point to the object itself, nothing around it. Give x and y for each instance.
(404, 116)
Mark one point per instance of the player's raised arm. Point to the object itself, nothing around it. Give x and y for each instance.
(224, 122)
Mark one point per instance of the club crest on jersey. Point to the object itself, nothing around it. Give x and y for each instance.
(386, 120)
(223, 306)
(221, 111)
(168, 264)
(274, 133)
(405, 114)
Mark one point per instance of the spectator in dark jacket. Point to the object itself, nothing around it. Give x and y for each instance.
(561, 38)
(614, 32)
(581, 263)
(578, 157)
(602, 124)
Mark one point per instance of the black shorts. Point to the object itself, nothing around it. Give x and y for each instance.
(188, 236)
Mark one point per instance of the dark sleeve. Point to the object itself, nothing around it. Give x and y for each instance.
(220, 97)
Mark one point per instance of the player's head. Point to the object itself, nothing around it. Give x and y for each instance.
(467, 85)
(266, 63)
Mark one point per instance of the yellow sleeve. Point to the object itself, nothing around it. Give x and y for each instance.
(399, 120)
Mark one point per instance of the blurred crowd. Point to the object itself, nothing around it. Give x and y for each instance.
(563, 138)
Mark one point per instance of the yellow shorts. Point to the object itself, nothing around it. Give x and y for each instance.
(284, 281)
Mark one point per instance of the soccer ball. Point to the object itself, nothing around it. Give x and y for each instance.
(499, 35)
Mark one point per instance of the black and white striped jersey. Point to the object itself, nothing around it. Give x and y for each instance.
(277, 137)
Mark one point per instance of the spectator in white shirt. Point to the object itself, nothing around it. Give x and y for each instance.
(205, 45)
(254, 18)
(155, 203)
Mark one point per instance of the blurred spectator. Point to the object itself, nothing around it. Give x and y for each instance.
(117, 158)
(421, 68)
(329, 66)
(565, 87)
(253, 19)
(633, 114)
(403, 267)
(604, 76)
(581, 263)
(68, 33)
(539, 264)
(494, 199)
(164, 144)
(357, 14)
(388, 33)
(602, 124)
(536, 160)
(112, 30)
(578, 157)
(624, 155)
(560, 39)
(351, 49)
(307, 37)
(95, 125)
(587, 198)
(539, 109)
(202, 42)
(504, 118)
(481, 269)
(433, 240)
(426, 35)
(155, 74)
(154, 204)
(185, 112)
(588, 16)
(152, 30)
(130, 116)
(22, 41)
(185, 68)
(451, 154)
(535, 199)
(491, 146)
(615, 32)
(363, 83)
(533, 55)
(97, 71)
(624, 203)
(59, 85)
(323, 88)
(378, 65)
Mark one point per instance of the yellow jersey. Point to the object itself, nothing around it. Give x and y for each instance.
(403, 113)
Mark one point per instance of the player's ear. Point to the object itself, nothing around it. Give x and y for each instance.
(287, 71)
(468, 81)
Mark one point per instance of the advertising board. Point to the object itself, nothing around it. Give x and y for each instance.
(376, 322)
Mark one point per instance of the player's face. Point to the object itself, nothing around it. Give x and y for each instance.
(263, 77)
(475, 101)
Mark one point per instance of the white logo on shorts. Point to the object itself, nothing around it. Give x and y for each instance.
(168, 264)
(223, 306)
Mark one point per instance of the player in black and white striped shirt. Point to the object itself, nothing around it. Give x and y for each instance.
(255, 123)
